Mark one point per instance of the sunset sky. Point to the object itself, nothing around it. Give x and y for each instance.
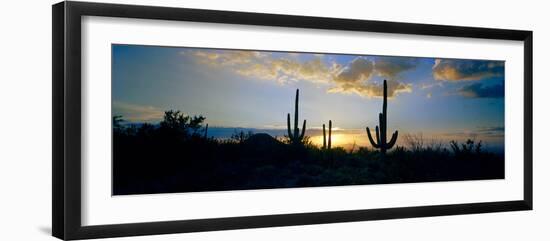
(443, 99)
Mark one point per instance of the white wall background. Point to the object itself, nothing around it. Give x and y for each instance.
(25, 121)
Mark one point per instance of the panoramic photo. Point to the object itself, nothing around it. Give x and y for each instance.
(188, 119)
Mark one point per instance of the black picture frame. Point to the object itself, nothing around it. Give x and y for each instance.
(66, 47)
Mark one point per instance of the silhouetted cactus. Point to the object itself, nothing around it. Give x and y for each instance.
(381, 138)
(206, 131)
(324, 137)
(295, 137)
(329, 135)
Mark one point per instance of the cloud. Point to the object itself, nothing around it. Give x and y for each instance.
(264, 66)
(425, 86)
(478, 90)
(464, 70)
(372, 89)
(493, 129)
(390, 67)
(483, 132)
(352, 77)
(358, 70)
(137, 113)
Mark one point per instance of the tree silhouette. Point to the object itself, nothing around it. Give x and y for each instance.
(181, 124)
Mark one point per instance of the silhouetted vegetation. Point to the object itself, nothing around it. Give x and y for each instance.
(381, 137)
(329, 136)
(177, 155)
(294, 136)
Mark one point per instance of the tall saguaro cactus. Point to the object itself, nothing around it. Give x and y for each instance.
(329, 135)
(295, 136)
(381, 138)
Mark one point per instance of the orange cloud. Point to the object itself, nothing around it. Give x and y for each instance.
(358, 70)
(464, 70)
(351, 78)
(372, 89)
(264, 66)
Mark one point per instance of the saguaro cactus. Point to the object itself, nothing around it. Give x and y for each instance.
(206, 131)
(324, 137)
(294, 136)
(381, 138)
(329, 135)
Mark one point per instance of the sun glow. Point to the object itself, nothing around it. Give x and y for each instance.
(340, 140)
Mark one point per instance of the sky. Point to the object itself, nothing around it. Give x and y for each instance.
(439, 99)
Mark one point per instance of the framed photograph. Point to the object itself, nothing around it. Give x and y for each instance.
(169, 120)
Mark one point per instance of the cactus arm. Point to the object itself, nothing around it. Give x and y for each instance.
(329, 134)
(392, 141)
(288, 126)
(371, 140)
(303, 131)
